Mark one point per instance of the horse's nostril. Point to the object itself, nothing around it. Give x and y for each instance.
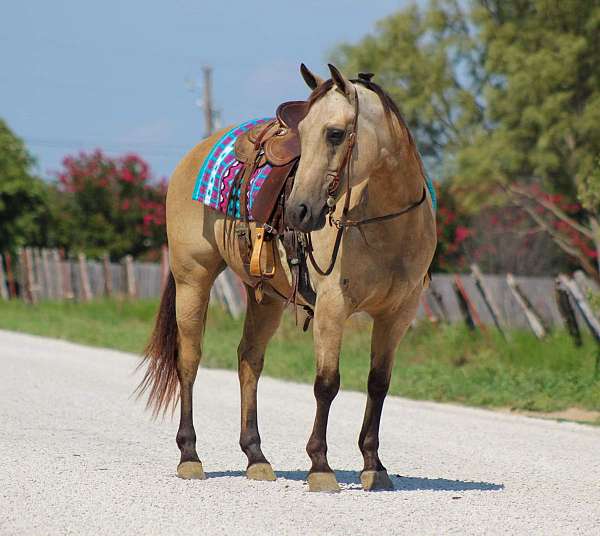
(302, 212)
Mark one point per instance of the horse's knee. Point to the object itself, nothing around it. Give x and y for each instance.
(327, 386)
(250, 357)
(378, 384)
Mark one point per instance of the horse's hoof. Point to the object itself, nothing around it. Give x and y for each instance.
(261, 471)
(191, 471)
(323, 482)
(376, 481)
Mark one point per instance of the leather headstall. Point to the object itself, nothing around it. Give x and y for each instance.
(333, 191)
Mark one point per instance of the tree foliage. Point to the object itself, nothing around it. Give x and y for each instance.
(501, 93)
(542, 99)
(23, 196)
(429, 63)
(105, 204)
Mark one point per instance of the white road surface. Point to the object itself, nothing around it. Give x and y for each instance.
(78, 455)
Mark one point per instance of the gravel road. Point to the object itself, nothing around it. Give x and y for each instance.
(79, 456)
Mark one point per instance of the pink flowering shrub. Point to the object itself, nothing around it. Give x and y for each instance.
(109, 205)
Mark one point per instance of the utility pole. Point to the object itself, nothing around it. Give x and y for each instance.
(209, 112)
(204, 100)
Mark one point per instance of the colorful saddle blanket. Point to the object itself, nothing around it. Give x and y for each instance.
(216, 176)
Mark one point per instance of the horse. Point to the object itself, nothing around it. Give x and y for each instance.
(379, 268)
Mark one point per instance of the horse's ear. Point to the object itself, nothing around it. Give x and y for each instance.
(343, 84)
(312, 80)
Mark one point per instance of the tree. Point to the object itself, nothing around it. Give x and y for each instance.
(23, 196)
(505, 96)
(108, 205)
(543, 102)
(429, 62)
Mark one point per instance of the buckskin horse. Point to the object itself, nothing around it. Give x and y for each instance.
(359, 168)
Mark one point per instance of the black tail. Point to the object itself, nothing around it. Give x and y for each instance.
(160, 356)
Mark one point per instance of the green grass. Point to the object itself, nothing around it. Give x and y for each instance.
(443, 363)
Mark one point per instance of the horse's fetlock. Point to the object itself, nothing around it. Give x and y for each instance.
(369, 444)
(248, 441)
(186, 438)
(316, 446)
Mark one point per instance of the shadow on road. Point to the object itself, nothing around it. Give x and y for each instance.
(401, 483)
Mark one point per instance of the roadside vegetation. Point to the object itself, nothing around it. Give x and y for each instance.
(442, 363)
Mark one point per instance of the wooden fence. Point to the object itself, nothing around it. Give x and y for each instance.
(41, 274)
(504, 301)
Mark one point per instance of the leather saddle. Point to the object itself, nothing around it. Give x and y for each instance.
(276, 143)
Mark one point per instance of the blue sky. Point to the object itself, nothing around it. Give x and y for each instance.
(112, 74)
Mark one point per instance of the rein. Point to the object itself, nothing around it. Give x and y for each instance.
(343, 222)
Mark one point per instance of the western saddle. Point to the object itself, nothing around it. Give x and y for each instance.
(277, 144)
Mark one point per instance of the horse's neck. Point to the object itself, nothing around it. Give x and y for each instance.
(395, 184)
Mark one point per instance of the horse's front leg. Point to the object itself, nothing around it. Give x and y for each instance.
(328, 330)
(387, 332)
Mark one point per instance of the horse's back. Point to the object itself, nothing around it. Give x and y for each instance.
(190, 226)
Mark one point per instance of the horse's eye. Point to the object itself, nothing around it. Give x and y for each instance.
(335, 136)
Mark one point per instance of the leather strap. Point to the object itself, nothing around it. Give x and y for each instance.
(332, 191)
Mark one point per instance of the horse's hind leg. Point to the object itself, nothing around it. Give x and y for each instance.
(191, 305)
(261, 323)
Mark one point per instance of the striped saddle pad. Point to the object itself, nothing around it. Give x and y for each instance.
(216, 176)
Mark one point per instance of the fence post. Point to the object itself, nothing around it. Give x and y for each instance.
(566, 311)
(582, 305)
(439, 301)
(27, 283)
(107, 273)
(130, 276)
(3, 285)
(66, 276)
(230, 293)
(487, 297)
(10, 276)
(534, 319)
(40, 283)
(84, 280)
(467, 307)
(586, 311)
(50, 294)
(59, 285)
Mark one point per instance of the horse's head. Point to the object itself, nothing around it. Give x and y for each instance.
(324, 138)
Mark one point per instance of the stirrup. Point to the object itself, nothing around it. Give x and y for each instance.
(255, 261)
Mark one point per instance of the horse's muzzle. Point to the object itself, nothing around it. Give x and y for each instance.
(303, 218)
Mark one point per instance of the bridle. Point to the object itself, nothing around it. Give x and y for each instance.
(332, 190)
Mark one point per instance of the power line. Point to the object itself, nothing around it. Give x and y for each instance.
(148, 147)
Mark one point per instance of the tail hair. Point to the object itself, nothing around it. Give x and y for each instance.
(160, 357)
